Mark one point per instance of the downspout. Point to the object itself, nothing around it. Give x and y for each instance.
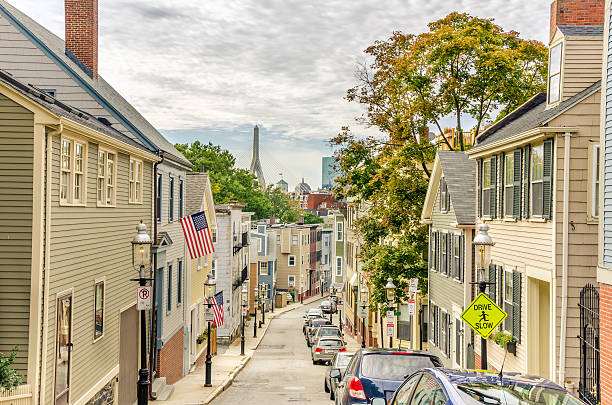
(152, 345)
(565, 259)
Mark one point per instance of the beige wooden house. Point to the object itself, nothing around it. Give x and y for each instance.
(293, 256)
(72, 191)
(537, 189)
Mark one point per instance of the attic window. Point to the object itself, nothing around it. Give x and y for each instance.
(444, 198)
(554, 73)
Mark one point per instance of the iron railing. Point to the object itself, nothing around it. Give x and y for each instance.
(589, 385)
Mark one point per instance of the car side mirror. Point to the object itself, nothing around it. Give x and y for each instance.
(335, 373)
(378, 401)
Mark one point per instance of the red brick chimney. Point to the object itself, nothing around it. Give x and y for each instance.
(272, 220)
(82, 34)
(576, 12)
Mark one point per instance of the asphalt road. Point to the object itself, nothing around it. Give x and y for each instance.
(281, 370)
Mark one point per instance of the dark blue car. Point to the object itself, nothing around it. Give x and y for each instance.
(376, 373)
(436, 386)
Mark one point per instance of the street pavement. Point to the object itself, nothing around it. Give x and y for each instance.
(281, 368)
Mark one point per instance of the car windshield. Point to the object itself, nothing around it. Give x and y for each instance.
(330, 343)
(393, 366)
(343, 361)
(514, 394)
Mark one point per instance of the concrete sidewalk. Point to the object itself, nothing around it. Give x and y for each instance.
(226, 366)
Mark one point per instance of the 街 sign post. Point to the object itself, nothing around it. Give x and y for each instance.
(483, 315)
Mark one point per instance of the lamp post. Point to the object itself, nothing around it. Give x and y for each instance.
(141, 259)
(209, 294)
(482, 243)
(301, 291)
(364, 305)
(390, 292)
(273, 295)
(322, 280)
(255, 312)
(245, 301)
(263, 295)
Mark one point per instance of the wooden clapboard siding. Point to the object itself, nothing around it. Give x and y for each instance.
(582, 263)
(581, 64)
(16, 171)
(86, 244)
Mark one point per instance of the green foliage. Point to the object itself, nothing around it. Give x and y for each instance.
(312, 219)
(8, 376)
(502, 338)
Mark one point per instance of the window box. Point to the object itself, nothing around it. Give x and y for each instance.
(505, 340)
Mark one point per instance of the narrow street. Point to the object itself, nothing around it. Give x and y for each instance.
(281, 369)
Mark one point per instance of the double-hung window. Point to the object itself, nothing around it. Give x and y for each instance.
(444, 261)
(180, 198)
(135, 188)
(508, 299)
(72, 168)
(457, 257)
(339, 266)
(444, 197)
(98, 309)
(292, 260)
(169, 289)
(107, 173)
(339, 231)
(213, 268)
(594, 166)
(179, 283)
(509, 185)
(554, 73)
(537, 178)
(214, 235)
(171, 199)
(294, 240)
(433, 242)
(159, 197)
(263, 268)
(291, 281)
(486, 187)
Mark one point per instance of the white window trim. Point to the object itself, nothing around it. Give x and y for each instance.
(339, 231)
(69, 201)
(294, 261)
(531, 181)
(486, 213)
(96, 282)
(509, 155)
(213, 268)
(560, 74)
(295, 239)
(338, 261)
(213, 232)
(593, 179)
(261, 269)
(106, 151)
(289, 282)
(137, 184)
(507, 272)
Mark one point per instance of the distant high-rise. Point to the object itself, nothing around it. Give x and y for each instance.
(328, 172)
(256, 168)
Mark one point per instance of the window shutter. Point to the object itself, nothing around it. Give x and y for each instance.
(502, 164)
(438, 324)
(493, 205)
(493, 285)
(516, 206)
(461, 258)
(440, 189)
(450, 253)
(438, 251)
(448, 335)
(516, 305)
(479, 188)
(526, 174)
(430, 256)
(500, 286)
(548, 177)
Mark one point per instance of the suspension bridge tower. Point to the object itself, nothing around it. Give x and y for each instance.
(256, 168)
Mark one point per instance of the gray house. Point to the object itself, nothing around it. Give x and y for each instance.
(450, 212)
(68, 71)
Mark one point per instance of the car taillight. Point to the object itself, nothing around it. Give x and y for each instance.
(343, 349)
(356, 389)
(318, 350)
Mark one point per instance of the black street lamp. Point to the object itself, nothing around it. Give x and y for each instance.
(141, 259)
(364, 305)
(482, 243)
(255, 313)
(263, 295)
(322, 281)
(209, 295)
(245, 301)
(273, 294)
(390, 292)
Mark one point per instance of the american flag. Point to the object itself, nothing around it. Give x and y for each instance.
(197, 235)
(217, 305)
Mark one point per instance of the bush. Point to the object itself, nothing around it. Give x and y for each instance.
(8, 376)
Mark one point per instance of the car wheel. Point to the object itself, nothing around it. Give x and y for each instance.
(314, 361)
(325, 387)
(331, 395)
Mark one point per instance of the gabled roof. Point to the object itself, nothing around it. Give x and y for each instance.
(459, 173)
(530, 115)
(581, 30)
(63, 110)
(98, 88)
(198, 192)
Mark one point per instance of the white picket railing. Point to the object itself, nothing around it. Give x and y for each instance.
(21, 395)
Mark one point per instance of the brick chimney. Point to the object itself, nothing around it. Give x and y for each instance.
(82, 34)
(272, 220)
(576, 12)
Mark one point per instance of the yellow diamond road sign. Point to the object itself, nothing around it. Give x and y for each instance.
(483, 315)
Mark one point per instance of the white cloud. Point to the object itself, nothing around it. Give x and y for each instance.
(218, 65)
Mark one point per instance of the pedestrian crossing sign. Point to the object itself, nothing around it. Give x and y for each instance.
(483, 315)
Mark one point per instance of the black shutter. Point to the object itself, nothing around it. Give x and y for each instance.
(516, 305)
(526, 182)
(441, 189)
(493, 195)
(430, 256)
(500, 286)
(502, 164)
(451, 256)
(548, 177)
(438, 326)
(516, 205)
(448, 335)
(493, 285)
(479, 188)
(438, 252)
(462, 258)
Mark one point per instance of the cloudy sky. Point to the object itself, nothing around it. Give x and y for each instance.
(211, 69)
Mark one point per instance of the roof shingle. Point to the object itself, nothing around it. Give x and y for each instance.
(460, 174)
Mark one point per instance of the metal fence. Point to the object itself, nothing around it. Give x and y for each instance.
(589, 388)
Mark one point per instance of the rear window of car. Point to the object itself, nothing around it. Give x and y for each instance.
(319, 322)
(329, 332)
(330, 343)
(393, 366)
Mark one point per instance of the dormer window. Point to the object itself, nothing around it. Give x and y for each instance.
(554, 73)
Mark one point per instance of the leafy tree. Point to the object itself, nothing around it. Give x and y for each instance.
(310, 218)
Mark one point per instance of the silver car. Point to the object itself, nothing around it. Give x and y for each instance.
(338, 363)
(325, 331)
(326, 348)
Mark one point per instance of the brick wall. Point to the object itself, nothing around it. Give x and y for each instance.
(576, 12)
(170, 359)
(82, 31)
(605, 343)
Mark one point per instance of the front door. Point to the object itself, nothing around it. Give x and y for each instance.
(538, 327)
(63, 352)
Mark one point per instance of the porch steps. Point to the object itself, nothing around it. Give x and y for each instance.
(161, 391)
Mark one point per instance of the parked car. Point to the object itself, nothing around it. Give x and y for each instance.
(311, 314)
(325, 350)
(325, 331)
(437, 386)
(328, 307)
(377, 373)
(312, 325)
(338, 363)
